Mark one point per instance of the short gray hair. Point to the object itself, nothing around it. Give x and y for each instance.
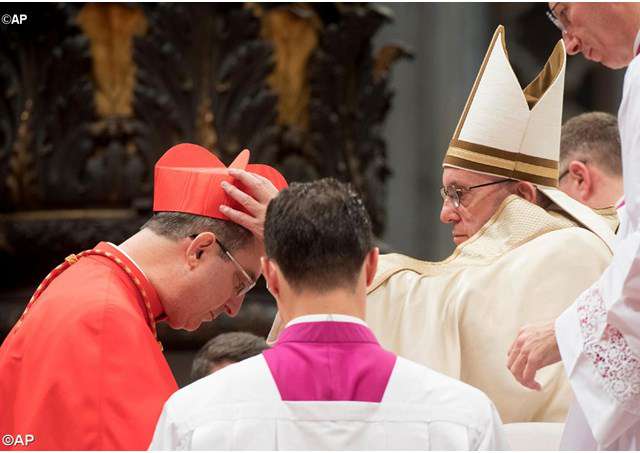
(592, 137)
(178, 225)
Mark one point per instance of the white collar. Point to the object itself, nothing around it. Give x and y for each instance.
(130, 259)
(636, 44)
(325, 318)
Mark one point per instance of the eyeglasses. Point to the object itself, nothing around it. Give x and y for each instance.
(454, 193)
(249, 283)
(555, 20)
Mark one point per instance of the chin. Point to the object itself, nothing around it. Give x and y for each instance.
(173, 325)
(182, 326)
(457, 240)
(615, 64)
(191, 328)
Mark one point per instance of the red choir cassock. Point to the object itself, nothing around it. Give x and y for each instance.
(82, 369)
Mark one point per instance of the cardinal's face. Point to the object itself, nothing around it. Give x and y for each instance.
(217, 284)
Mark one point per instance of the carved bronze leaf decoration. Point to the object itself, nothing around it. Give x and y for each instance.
(46, 108)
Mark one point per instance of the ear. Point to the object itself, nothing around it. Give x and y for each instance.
(199, 248)
(371, 264)
(581, 174)
(271, 276)
(527, 191)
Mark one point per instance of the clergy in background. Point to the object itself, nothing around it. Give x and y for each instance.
(590, 163)
(82, 368)
(223, 350)
(524, 250)
(327, 384)
(598, 337)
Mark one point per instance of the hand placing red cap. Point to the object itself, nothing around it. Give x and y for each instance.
(259, 192)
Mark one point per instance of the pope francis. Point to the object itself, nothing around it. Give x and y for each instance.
(524, 249)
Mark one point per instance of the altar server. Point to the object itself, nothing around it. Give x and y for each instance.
(327, 384)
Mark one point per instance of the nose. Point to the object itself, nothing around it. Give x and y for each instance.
(572, 43)
(234, 306)
(448, 213)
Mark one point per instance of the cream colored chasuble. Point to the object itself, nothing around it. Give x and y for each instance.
(460, 316)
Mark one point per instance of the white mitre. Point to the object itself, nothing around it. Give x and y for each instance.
(514, 133)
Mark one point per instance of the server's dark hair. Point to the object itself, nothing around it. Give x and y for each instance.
(319, 234)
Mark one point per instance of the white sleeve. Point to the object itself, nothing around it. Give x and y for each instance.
(599, 335)
(628, 117)
(603, 371)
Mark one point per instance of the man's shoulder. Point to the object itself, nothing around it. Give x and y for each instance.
(566, 242)
(89, 277)
(403, 270)
(399, 275)
(87, 293)
(415, 383)
(248, 381)
(439, 397)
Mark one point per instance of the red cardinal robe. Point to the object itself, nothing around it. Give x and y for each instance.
(83, 370)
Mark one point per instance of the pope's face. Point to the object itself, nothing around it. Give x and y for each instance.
(602, 32)
(476, 207)
(214, 286)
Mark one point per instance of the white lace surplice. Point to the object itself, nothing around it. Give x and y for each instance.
(599, 335)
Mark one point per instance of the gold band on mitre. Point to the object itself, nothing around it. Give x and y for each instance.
(485, 159)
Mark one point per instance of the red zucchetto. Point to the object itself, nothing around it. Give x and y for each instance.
(188, 177)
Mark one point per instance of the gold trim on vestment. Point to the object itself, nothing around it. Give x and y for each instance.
(606, 211)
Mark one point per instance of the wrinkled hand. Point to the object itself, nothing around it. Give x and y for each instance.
(535, 347)
(259, 192)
